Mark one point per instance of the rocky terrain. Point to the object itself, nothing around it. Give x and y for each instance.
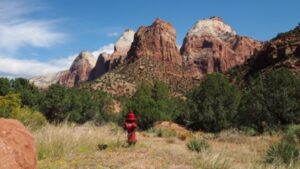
(152, 54)
(282, 51)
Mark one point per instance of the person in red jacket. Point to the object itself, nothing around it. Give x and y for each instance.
(130, 125)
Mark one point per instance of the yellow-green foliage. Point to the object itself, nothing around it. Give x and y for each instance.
(10, 107)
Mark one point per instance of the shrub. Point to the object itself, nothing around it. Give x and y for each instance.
(10, 107)
(282, 152)
(197, 145)
(213, 105)
(30, 118)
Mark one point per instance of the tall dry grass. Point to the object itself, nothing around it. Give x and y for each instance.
(65, 139)
(68, 146)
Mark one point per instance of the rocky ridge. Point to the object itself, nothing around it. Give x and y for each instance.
(282, 51)
(152, 54)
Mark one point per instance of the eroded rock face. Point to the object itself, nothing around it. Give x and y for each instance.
(122, 47)
(157, 41)
(213, 46)
(107, 62)
(79, 71)
(43, 82)
(17, 146)
(102, 66)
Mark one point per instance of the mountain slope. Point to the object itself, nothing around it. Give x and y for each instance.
(78, 72)
(281, 51)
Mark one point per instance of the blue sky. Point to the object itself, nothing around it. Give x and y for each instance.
(43, 36)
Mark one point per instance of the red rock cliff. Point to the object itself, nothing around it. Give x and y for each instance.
(157, 41)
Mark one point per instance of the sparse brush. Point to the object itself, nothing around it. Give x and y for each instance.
(282, 153)
(209, 160)
(292, 134)
(197, 145)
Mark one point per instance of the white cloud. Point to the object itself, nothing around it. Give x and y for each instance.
(25, 68)
(12, 67)
(113, 34)
(17, 31)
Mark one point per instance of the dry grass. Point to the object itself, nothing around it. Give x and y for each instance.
(69, 146)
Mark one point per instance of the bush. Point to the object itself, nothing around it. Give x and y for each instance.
(30, 118)
(10, 107)
(213, 105)
(197, 145)
(282, 152)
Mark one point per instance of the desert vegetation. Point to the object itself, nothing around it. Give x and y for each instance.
(225, 126)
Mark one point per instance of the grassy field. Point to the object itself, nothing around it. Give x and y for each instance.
(69, 146)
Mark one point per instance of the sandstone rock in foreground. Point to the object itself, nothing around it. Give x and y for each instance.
(17, 146)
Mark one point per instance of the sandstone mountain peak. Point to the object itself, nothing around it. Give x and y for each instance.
(157, 41)
(217, 18)
(214, 26)
(83, 58)
(213, 46)
(125, 40)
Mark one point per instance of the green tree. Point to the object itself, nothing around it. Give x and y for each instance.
(213, 104)
(4, 86)
(271, 100)
(30, 95)
(145, 107)
(75, 104)
(153, 104)
(56, 103)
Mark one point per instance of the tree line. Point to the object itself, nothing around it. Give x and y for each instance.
(268, 101)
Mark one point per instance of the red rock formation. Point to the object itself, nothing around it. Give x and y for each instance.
(17, 146)
(212, 46)
(79, 71)
(157, 41)
(107, 62)
(102, 66)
